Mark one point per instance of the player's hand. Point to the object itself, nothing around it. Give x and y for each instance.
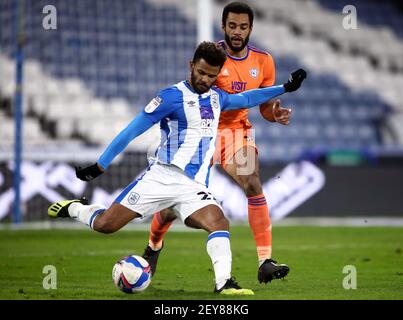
(295, 80)
(281, 115)
(89, 173)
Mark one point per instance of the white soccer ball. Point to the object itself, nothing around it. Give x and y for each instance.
(132, 274)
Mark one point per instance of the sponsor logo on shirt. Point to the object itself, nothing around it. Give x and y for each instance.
(214, 100)
(154, 103)
(238, 86)
(191, 103)
(207, 126)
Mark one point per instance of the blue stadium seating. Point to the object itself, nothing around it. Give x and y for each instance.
(372, 12)
(131, 50)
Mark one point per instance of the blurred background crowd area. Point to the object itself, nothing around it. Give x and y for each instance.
(106, 60)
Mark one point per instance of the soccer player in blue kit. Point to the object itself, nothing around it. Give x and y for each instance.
(188, 113)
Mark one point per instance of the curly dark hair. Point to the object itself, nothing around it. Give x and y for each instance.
(237, 7)
(211, 53)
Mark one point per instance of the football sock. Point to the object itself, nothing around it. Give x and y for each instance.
(219, 250)
(259, 221)
(157, 231)
(85, 213)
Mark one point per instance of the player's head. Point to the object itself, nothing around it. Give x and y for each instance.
(207, 62)
(237, 23)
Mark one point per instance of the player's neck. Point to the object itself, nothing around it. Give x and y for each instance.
(189, 83)
(236, 54)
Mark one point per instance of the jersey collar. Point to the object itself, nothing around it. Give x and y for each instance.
(236, 58)
(187, 84)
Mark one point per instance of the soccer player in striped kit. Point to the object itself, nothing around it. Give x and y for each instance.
(188, 114)
(246, 68)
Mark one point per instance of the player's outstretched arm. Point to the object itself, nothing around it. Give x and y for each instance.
(89, 173)
(138, 126)
(157, 109)
(295, 80)
(251, 98)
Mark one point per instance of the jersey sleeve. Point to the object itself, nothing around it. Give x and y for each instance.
(158, 108)
(269, 72)
(161, 105)
(251, 98)
(137, 127)
(224, 98)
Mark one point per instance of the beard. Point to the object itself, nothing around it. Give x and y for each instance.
(198, 88)
(236, 49)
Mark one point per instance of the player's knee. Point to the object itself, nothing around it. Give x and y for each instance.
(167, 215)
(104, 225)
(220, 223)
(252, 185)
(224, 224)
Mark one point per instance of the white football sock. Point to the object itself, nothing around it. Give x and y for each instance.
(85, 213)
(153, 246)
(219, 250)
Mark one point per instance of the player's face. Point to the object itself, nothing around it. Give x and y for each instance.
(237, 31)
(203, 75)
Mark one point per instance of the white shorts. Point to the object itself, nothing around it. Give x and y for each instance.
(165, 186)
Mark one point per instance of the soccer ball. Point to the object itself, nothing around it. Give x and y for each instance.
(132, 274)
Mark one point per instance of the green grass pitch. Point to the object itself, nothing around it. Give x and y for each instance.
(316, 256)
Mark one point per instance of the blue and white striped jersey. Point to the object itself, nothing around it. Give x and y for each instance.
(189, 123)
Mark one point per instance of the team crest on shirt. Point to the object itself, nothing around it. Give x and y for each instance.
(253, 73)
(154, 103)
(214, 100)
(133, 198)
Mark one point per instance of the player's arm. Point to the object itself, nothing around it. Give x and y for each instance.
(156, 110)
(274, 112)
(251, 98)
(269, 79)
(138, 126)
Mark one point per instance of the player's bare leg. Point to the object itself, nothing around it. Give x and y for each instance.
(244, 170)
(212, 219)
(113, 219)
(95, 216)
